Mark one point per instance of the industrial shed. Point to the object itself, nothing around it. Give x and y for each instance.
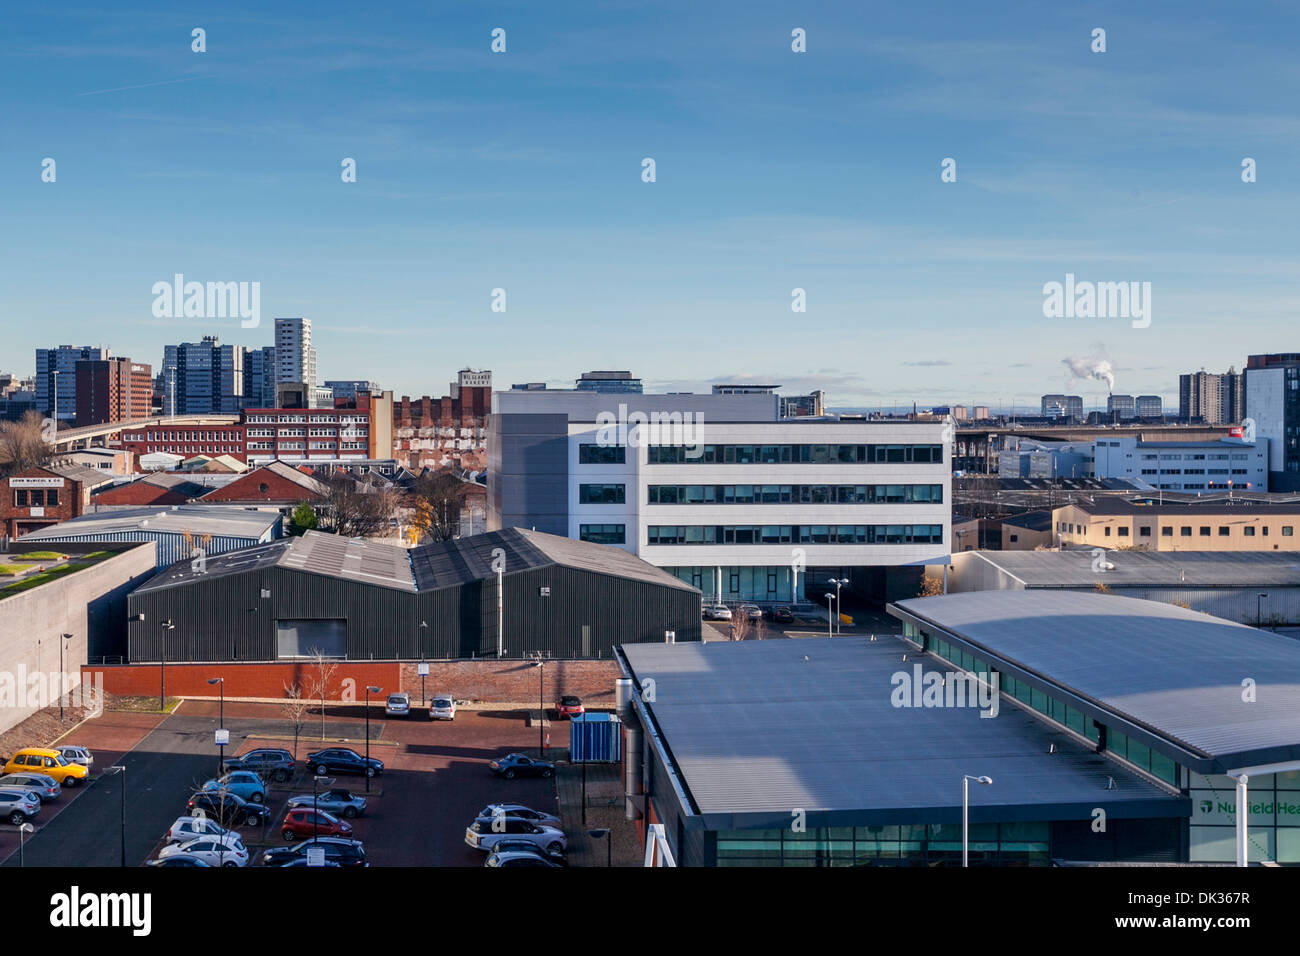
(361, 600)
(1260, 588)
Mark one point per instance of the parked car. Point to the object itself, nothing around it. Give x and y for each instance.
(228, 850)
(486, 832)
(339, 802)
(521, 811)
(242, 783)
(228, 809)
(399, 705)
(38, 783)
(519, 857)
(49, 762)
(568, 706)
(18, 806)
(343, 760)
(751, 611)
(717, 612)
(186, 829)
(271, 763)
(73, 754)
(342, 851)
(176, 861)
(781, 615)
(442, 707)
(302, 822)
(303, 861)
(517, 765)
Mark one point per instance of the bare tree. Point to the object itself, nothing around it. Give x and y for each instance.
(437, 500)
(23, 444)
(357, 510)
(320, 682)
(742, 627)
(295, 709)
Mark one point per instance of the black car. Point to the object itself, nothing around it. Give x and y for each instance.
(228, 809)
(176, 861)
(521, 847)
(343, 760)
(781, 615)
(517, 765)
(268, 762)
(339, 850)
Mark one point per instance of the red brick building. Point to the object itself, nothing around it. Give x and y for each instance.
(186, 440)
(156, 489)
(453, 429)
(39, 497)
(112, 390)
(272, 484)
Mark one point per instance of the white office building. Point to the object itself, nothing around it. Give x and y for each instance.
(1188, 466)
(295, 359)
(720, 492)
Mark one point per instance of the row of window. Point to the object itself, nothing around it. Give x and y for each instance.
(602, 494)
(304, 419)
(793, 494)
(792, 454)
(603, 533)
(1234, 457)
(796, 534)
(935, 843)
(185, 436)
(1184, 531)
(36, 497)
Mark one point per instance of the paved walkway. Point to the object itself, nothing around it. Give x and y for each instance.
(604, 811)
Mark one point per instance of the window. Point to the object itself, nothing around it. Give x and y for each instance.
(602, 454)
(1249, 531)
(1224, 531)
(1123, 532)
(1108, 531)
(601, 494)
(603, 533)
(1286, 530)
(1144, 531)
(1185, 532)
(1205, 531)
(1166, 531)
(1015, 537)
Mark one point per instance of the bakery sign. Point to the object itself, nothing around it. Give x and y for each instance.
(36, 482)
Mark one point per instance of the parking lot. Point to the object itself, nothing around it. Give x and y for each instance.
(436, 778)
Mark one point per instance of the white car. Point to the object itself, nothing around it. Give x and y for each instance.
(717, 612)
(399, 705)
(77, 755)
(521, 811)
(486, 832)
(228, 850)
(442, 707)
(186, 829)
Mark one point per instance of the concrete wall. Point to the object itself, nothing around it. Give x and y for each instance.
(89, 604)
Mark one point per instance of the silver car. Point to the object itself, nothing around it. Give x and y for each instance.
(399, 705)
(18, 805)
(45, 788)
(442, 707)
(76, 755)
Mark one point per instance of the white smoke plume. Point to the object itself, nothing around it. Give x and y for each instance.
(1091, 367)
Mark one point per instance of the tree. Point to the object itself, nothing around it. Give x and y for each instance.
(358, 510)
(931, 586)
(437, 501)
(295, 708)
(303, 519)
(23, 444)
(320, 682)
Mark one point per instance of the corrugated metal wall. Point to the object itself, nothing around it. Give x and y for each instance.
(226, 618)
(1281, 606)
(171, 547)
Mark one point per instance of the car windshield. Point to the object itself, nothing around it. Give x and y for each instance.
(395, 700)
(60, 760)
(441, 702)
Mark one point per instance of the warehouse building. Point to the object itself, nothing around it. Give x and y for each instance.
(183, 532)
(361, 600)
(1260, 588)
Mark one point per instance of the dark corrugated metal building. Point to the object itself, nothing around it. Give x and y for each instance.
(360, 600)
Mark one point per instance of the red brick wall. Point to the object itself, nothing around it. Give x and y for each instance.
(500, 681)
(140, 493)
(249, 488)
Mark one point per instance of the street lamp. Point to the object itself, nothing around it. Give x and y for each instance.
(369, 690)
(839, 607)
(608, 836)
(167, 625)
(541, 707)
(66, 637)
(116, 769)
(317, 781)
(830, 619)
(965, 814)
(500, 612)
(424, 668)
(23, 830)
(221, 723)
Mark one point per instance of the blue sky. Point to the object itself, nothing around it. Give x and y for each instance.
(775, 170)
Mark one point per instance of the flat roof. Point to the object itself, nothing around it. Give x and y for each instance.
(174, 519)
(758, 729)
(1151, 505)
(1172, 673)
(1073, 568)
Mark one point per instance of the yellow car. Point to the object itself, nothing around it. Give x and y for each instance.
(49, 762)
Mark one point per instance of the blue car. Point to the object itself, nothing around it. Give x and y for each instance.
(242, 783)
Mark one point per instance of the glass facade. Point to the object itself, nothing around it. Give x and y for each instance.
(793, 454)
(1273, 825)
(1001, 844)
(800, 534)
(793, 494)
(773, 583)
(603, 533)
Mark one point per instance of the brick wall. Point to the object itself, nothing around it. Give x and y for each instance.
(492, 681)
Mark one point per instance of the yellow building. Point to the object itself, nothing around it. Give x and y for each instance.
(1114, 522)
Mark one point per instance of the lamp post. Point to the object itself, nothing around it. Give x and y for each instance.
(167, 625)
(830, 617)
(55, 413)
(500, 613)
(541, 707)
(965, 814)
(221, 722)
(839, 607)
(609, 844)
(317, 781)
(424, 669)
(369, 690)
(65, 638)
(23, 830)
(118, 768)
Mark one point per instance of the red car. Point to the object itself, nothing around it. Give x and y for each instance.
(568, 706)
(306, 822)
